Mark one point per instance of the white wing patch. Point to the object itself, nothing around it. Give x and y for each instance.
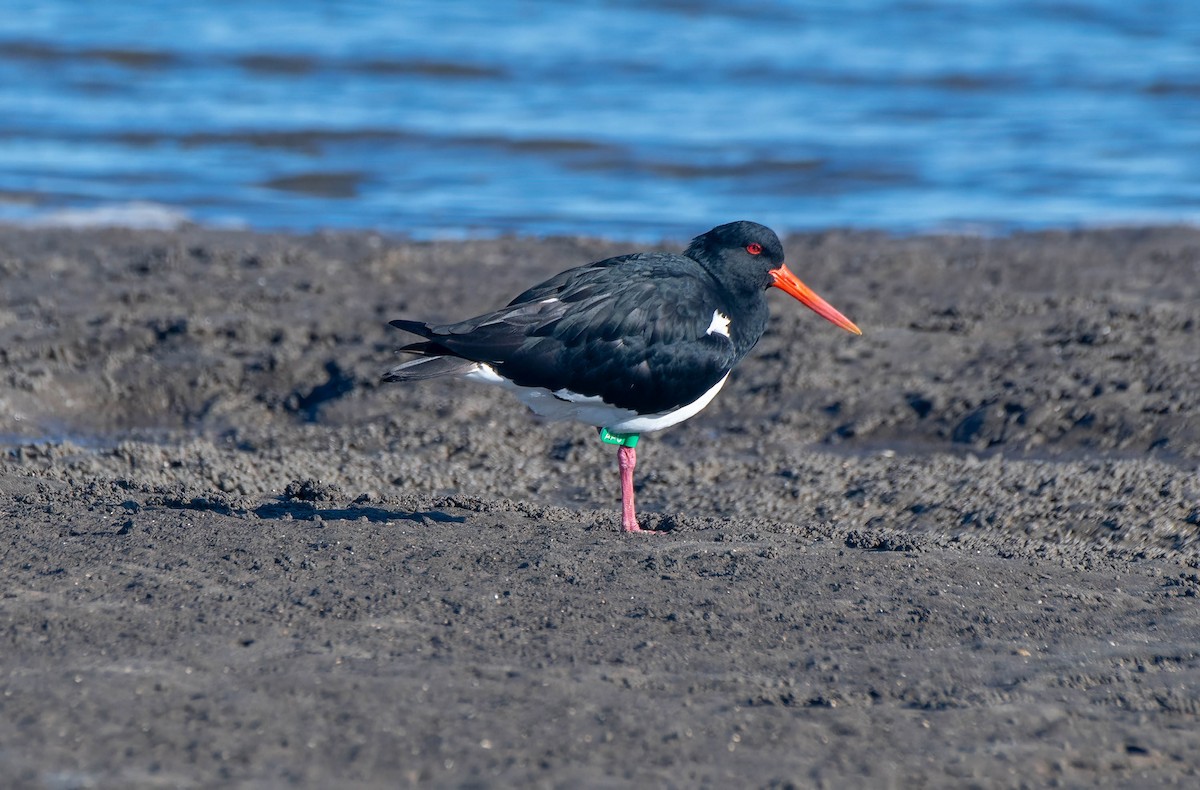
(719, 325)
(575, 397)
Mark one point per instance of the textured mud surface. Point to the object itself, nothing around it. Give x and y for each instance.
(960, 550)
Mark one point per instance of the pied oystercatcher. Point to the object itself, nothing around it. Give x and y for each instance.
(631, 344)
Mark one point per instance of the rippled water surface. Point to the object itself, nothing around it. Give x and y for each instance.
(628, 119)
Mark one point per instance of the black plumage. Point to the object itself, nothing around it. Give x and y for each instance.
(629, 344)
(632, 330)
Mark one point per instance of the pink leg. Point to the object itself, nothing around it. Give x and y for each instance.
(626, 461)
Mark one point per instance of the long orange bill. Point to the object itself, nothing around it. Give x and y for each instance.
(783, 279)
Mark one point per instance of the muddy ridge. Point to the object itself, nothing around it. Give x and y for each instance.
(959, 550)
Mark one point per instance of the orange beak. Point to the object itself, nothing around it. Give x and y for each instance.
(783, 279)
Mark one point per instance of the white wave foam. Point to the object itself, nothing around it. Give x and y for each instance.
(138, 215)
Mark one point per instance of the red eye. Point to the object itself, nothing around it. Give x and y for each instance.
(754, 248)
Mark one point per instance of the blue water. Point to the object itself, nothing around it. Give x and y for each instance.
(627, 118)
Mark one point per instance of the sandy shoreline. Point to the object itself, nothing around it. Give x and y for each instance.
(961, 549)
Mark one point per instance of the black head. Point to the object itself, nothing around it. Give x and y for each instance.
(739, 253)
(746, 257)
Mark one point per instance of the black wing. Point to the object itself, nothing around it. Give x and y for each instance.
(632, 330)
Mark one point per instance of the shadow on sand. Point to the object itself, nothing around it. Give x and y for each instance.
(306, 511)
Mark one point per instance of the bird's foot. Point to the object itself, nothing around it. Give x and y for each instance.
(631, 527)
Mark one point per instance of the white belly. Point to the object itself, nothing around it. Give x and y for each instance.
(590, 410)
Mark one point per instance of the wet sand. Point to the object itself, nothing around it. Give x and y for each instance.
(961, 550)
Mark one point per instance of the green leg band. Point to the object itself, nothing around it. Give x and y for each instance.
(623, 439)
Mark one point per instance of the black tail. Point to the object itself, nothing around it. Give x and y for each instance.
(416, 327)
(434, 361)
(423, 368)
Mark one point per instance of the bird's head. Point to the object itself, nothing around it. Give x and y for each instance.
(750, 255)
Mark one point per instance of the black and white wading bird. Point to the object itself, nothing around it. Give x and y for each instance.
(631, 344)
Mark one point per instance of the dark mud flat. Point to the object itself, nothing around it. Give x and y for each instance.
(961, 550)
